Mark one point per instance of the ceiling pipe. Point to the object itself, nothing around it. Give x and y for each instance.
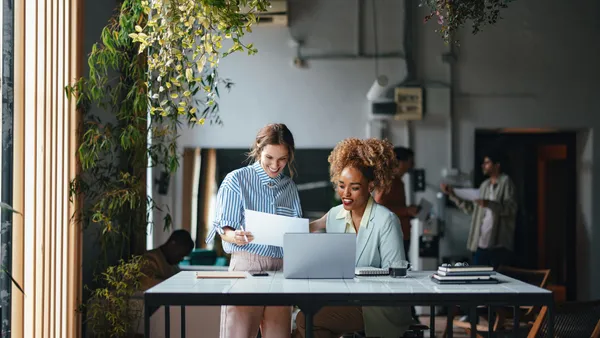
(360, 7)
(359, 55)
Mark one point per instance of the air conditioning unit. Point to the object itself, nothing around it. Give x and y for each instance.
(276, 15)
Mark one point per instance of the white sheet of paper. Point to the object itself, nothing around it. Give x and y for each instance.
(467, 194)
(269, 228)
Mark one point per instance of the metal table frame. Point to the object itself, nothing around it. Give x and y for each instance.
(310, 303)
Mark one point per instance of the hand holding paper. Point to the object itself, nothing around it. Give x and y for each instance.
(268, 228)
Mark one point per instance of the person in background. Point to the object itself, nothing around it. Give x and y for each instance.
(357, 168)
(491, 236)
(261, 186)
(161, 263)
(395, 198)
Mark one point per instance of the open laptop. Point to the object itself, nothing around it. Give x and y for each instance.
(319, 255)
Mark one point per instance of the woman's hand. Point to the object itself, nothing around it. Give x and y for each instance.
(242, 237)
(318, 225)
(238, 237)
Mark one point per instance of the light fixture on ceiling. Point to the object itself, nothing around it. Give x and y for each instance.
(378, 88)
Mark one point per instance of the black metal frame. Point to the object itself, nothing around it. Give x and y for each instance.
(310, 303)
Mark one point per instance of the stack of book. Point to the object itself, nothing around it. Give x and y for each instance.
(465, 275)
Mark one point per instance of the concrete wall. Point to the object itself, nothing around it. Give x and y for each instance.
(536, 68)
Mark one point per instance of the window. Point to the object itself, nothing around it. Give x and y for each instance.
(6, 162)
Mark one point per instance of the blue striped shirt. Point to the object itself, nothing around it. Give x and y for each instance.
(250, 188)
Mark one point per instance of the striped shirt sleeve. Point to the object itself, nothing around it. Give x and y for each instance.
(229, 208)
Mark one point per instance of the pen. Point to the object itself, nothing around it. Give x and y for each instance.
(245, 237)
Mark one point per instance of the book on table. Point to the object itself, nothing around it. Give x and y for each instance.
(464, 275)
(473, 268)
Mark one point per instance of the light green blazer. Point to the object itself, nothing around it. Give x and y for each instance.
(377, 245)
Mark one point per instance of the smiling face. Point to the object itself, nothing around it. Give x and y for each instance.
(353, 189)
(273, 159)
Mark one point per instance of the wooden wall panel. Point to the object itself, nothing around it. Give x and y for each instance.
(46, 241)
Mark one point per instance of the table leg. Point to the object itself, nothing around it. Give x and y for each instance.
(473, 320)
(309, 312)
(516, 322)
(449, 323)
(491, 321)
(183, 321)
(167, 321)
(146, 321)
(432, 321)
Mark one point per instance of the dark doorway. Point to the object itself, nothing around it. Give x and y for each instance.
(543, 167)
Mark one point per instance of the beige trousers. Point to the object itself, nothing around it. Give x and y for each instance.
(244, 321)
(332, 322)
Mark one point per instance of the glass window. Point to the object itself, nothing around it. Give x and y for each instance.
(6, 160)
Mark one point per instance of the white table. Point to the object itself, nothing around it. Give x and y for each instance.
(310, 295)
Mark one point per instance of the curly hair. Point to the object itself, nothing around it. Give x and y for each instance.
(374, 158)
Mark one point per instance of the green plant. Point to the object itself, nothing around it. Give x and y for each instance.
(184, 41)
(451, 15)
(113, 148)
(7, 207)
(110, 309)
(148, 76)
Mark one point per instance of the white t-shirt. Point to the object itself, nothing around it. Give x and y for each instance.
(485, 232)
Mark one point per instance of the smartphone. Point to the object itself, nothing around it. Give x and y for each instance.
(258, 273)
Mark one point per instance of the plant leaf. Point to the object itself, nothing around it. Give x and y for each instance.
(9, 208)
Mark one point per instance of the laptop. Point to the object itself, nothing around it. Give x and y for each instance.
(319, 255)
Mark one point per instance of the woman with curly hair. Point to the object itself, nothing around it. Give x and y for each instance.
(357, 168)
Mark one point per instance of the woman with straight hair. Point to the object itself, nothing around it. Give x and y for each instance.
(261, 186)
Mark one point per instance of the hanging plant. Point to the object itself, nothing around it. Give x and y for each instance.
(184, 43)
(160, 58)
(163, 58)
(451, 15)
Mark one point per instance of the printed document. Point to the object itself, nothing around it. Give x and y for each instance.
(269, 228)
(467, 194)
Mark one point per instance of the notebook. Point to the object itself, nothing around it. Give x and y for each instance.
(472, 268)
(371, 271)
(474, 281)
(460, 278)
(466, 273)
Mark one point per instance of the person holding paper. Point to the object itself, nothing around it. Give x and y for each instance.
(357, 168)
(491, 237)
(262, 187)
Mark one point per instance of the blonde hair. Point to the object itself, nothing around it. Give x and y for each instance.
(274, 134)
(374, 158)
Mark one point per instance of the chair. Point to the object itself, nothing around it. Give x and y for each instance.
(571, 320)
(505, 314)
